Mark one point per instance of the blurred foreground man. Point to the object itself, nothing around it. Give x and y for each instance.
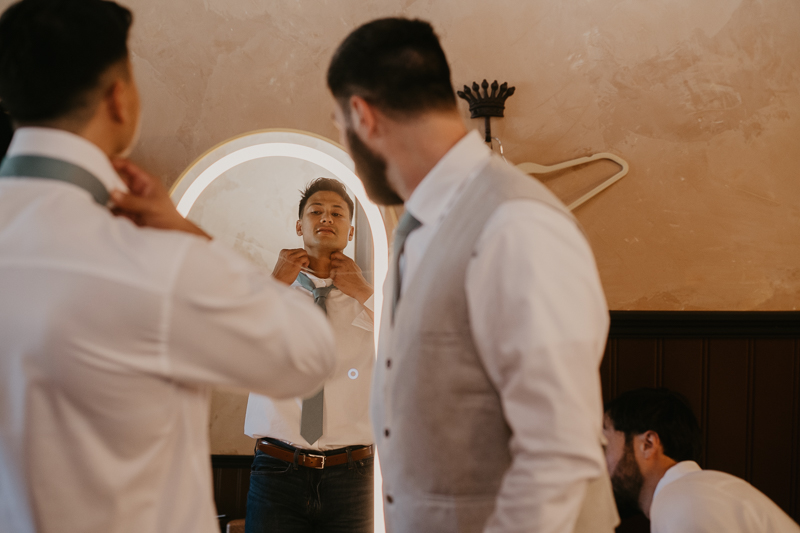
(111, 335)
(653, 442)
(486, 399)
(312, 471)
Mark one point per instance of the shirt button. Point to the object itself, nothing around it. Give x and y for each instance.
(389, 499)
(388, 363)
(386, 432)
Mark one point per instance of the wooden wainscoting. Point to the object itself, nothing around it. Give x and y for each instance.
(739, 370)
(741, 373)
(231, 483)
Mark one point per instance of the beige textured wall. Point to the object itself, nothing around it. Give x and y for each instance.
(700, 97)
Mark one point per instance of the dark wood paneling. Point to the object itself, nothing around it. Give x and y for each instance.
(728, 402)
(682, 370)
(773, 413)
(741, 374)
(638, 359)
(231, 483)
(705, 324)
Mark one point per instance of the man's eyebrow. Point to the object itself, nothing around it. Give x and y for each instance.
(320, 203)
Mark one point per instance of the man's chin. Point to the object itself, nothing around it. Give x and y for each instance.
(322, 247)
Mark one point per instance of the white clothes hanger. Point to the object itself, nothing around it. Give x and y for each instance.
(533, 168)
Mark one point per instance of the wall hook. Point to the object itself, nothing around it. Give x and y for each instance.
(487, 105)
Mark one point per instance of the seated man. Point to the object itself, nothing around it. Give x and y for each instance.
(653, 439)
(314, 473)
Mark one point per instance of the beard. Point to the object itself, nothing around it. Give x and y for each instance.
(627, 482)
(371, 170)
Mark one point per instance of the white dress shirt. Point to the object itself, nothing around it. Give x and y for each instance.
(539, 319)
(346, 400)
(111, 337)
(691, 500)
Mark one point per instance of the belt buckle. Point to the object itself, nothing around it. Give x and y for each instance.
(320, 467)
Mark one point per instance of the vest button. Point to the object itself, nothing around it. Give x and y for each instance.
(389, 499)
(386, 432)
(388, 363)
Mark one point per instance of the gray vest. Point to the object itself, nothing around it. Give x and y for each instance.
(429, 377)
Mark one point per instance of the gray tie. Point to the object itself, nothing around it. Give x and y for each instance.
(311, 416)
(406, 225)
(35, 166)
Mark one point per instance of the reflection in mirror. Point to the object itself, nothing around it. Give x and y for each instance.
(253, 208)
(245, 192)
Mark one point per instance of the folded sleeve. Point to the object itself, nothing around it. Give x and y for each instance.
(230, 324)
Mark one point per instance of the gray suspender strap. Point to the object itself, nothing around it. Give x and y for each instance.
(34, 166)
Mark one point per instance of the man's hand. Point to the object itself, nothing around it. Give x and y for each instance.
(148, 203)
(289, 265)
(347, 277)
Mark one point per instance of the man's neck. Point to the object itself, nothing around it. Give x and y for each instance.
(95, 131)
(319, 262)
(417, 147)
(651, 482)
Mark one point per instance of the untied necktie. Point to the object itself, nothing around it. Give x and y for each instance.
(311, 415)
(406, 225)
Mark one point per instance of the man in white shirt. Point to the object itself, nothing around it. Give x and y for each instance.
(653, 441)
(111, 335)
(313, 472)
(486, 398)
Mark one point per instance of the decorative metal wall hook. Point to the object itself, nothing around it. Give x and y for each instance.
(487, 105)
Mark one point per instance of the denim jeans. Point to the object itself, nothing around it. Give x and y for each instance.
(288, 499)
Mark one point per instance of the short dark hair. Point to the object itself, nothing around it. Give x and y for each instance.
(325, 184)
(396, 64)
(53, 52)
(661, 410)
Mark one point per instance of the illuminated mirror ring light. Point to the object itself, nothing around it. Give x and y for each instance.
(306, 147)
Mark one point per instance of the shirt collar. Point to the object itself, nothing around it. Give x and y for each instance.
(66, 146)
(434, 193)
(317, 281)
(676, 472)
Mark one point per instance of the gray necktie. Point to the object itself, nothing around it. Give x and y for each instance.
(406, 225)
(311, 416)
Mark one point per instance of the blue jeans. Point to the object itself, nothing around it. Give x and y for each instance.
(288, 499)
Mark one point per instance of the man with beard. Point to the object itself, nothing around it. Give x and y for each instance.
(486, 398)
(314, 473)
(653, 443)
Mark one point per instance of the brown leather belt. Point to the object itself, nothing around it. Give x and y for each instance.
(312, 460)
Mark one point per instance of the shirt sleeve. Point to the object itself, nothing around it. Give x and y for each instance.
(539, 319)
(366, 318)
(232, 325)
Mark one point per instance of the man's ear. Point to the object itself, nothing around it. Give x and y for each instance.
(650, 443)
(351, 234)
(363, 117)
(114, 100)
(299, 228)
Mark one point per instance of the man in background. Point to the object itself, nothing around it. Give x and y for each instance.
(486, 400)
(112, 335)
(314, 457)
(653, 443)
